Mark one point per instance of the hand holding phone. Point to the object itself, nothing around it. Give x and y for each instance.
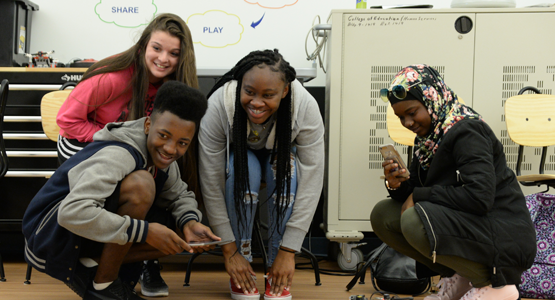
(209, 243)
(390, 153)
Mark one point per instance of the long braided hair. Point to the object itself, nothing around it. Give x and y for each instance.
(281, 151)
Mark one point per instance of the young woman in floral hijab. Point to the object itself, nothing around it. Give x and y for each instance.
(458, 211)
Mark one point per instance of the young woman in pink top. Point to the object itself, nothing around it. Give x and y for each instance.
(123, 87)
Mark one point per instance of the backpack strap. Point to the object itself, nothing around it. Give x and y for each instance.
(372, 256)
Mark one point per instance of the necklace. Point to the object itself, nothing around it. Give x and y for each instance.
(256, 129)
(253, 128)
(259, 131)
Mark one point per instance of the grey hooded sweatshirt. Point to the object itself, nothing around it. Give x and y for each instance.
(307, 136)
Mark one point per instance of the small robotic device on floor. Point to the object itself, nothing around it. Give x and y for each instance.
(358, 297)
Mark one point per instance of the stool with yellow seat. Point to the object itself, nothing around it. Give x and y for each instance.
(530, 120)
(49, 107)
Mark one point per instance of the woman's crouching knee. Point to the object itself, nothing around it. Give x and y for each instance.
(385, 215)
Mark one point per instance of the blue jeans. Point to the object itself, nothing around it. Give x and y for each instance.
(258, 164)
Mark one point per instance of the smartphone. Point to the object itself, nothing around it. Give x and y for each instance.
(390, 153)
(196, 244)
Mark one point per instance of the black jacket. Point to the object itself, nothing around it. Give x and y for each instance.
(471, 204)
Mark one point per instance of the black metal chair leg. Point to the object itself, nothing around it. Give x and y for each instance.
(2, 275)
(28, 274)
(314, 262)
(190, 268)
(3, 156)
(311, 256)
(260, 242)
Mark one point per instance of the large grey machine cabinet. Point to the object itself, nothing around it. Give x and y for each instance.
(485, 56)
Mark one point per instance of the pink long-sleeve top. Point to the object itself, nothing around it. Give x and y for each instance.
(99, 100)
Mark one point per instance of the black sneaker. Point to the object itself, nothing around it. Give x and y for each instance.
(152, 284)
(82, 279)
(115, 291)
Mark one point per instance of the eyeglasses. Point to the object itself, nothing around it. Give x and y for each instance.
(399, 91)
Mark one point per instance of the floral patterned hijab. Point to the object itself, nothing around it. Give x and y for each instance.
(442, 104)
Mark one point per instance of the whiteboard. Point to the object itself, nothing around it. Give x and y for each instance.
(93, 29)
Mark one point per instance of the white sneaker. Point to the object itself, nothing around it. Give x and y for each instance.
(508, 292)
(451, 288)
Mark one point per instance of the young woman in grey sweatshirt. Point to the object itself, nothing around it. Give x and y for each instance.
(261, 124)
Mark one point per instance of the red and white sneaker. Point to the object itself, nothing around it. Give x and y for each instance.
(237, 294)
(285, 295)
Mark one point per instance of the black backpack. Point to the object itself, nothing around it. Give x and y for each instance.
(392, 272)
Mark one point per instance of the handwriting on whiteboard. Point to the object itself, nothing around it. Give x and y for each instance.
(385, 20)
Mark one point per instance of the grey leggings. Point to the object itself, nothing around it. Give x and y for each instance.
(407, 235)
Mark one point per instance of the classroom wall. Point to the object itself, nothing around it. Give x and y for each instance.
(223, 30)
